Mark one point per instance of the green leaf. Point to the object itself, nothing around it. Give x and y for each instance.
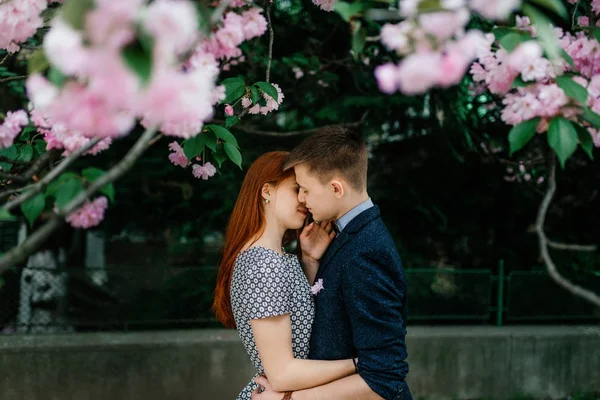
(220, 155)
(54, 186)
(12, 154)
(92, 174)
(234, 89)
(501, 31)
(348, 10)
(521, 134)
(591, 117)
(554, 5)
(231, 121)
(519, 82)
(40, 146)
(359, 39)
(511, 41)
(268, 89)
(194, 146)
(223, 134)
(567, 58)
(233, 153)
(57, 77)
(562, 138)
(139, 60)
(210, 139)
(33, 207)
(67, 191)
(585, 140)
(6, 215)
(255, 94)
(75, 11)
(25, 153)
(37, 62)
(545, 31)
(597, 34)
(572, 89)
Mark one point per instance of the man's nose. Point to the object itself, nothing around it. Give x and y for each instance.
(301, 198)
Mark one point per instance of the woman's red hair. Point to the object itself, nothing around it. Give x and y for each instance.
(247, 222)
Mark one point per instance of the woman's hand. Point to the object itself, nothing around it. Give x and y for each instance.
(315, 239)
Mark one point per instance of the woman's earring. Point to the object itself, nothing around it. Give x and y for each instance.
(267, 201)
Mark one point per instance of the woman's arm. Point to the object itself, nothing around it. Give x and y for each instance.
(273, 338)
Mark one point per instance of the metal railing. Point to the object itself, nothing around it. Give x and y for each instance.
(163, 297)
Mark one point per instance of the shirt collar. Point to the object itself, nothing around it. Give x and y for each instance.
(350, 215)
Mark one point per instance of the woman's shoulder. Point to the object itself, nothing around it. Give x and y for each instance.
(261, 257)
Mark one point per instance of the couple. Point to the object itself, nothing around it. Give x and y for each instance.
(343, 337)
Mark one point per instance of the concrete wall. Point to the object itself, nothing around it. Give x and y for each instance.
(445, 362)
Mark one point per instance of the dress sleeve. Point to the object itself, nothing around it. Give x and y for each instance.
(266, 285)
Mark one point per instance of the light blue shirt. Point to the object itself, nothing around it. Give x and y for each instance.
(350, 215)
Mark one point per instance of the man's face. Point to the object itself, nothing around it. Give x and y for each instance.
(318, 197)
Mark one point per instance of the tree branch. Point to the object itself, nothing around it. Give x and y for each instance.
(13, 78)
(572, 247)
(543, 241)
(15, 162)
(253, 131)
(53, 174)
(19, 253)
(271, 38)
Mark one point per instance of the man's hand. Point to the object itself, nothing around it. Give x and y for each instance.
(268, 392)
(315, 238)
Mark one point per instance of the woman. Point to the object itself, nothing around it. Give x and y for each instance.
(264, 291)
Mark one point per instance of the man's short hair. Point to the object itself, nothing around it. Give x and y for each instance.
(333, 150)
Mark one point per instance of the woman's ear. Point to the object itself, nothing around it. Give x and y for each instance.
(338, 188)
(266, 191)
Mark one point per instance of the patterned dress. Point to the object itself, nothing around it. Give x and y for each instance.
(267, 284)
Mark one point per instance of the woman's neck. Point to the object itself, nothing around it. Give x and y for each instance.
(272, 237)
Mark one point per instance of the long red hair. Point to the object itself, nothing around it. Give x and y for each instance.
(247, 222)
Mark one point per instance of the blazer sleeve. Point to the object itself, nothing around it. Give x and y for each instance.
(374, 293)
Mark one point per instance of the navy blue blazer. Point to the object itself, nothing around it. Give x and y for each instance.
(361, 310)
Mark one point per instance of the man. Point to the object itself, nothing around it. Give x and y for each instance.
(361, 308)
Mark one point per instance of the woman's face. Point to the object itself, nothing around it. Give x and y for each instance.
(288, 210)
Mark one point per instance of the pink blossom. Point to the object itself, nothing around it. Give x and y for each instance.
(173, 24)
(89, 214)
(203, 171)
(396, 36)
(325, 5)
(254, 23)
(177, 157)
(228, 110)
(419, 72)
(387, 78)
(271, 103)
(444, 24)
(317, 287)
(524, 55)
(11, 127)
(57, 136)
(495, 9)
(63, 46)
(179, 102)
(19, 20)
(40, 91)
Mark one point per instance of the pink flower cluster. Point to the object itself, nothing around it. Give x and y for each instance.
(103, 97)
(224, 43)
(88, 215)
(57, 136)
(437, 51)
(11, 127)
(178, 157)
(497, 70)
(19, 20)
(325, 5)
(272, 104)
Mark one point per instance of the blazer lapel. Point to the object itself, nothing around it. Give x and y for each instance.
(343, 237)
